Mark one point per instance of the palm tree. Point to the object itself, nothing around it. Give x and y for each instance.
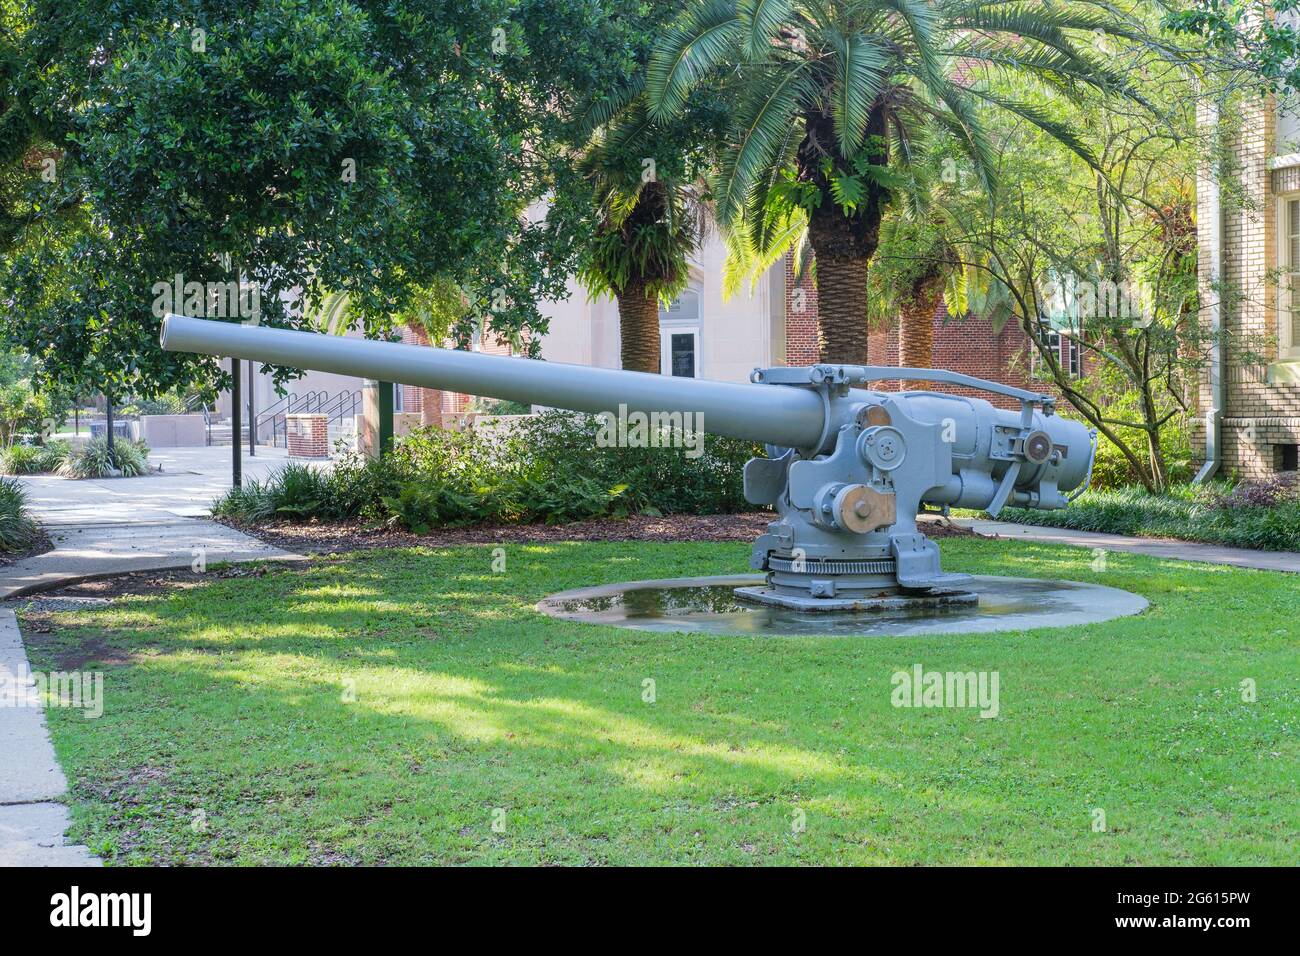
(650, 217)
(829, 98)
(918, 259)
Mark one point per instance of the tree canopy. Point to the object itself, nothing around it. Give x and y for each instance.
(371, 149)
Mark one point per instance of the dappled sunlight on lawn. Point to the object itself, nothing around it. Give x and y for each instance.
(381, 706)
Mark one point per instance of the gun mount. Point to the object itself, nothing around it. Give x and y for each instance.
(848, 468)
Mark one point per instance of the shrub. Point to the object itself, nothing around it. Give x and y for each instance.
(92, 460)
(1277, 490)
(251, 502)
(549, 468)
(33, 459)
(169, 403)
(17, 529)
(1244, 517)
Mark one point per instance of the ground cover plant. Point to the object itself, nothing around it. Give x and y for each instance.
(34, 459)
(93, 460)
(410, 706)
(17, 529)
(1262, 514)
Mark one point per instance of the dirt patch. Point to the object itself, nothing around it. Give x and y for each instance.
(335, 538)
(65, 649)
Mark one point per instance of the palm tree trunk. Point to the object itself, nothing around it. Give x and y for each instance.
(841, 290)
(638, 319)
(916, 328)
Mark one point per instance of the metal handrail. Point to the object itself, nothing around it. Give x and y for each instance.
(335, 407)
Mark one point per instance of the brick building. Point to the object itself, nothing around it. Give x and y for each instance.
(1249, 267)
(705, 334)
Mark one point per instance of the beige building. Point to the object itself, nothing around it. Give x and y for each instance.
(1249, 237)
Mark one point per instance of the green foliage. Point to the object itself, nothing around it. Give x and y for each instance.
(1255, 36)
(836, 97)
(367, 149)
(1113, 470)
(1215, 514)
(93, 460)
(550, 468)
(23, 409)
(34, 459)
(648, 213)
(17, 529)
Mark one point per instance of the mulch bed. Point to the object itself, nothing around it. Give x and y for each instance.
(336, 538)
(39, 546)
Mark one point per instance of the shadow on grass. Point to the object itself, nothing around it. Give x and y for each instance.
(396, 707)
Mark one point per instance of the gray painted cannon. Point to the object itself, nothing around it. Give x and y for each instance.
(848, 468)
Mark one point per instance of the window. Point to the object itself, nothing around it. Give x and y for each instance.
(1287, 457)
(680, 353)
(679, 336)
(1068, 352)
(1289, 314)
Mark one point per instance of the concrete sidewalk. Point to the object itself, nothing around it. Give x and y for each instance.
(1155, 547)
(190, 479)
(32, 820)
(82, 552)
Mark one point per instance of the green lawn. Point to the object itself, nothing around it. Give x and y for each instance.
(233, 699)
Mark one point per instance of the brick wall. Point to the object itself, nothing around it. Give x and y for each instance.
(968, 346)
(453, 403)
(802, 346)
(308, 435)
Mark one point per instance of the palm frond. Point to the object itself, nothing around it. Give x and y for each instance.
(761, 18)
(923, 24)
(601, 111)
(963, 120)
(860, 66)
(687, 52)
(764, 119)
(1060, 131)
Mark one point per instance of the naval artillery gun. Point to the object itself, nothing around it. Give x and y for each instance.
(848, 468)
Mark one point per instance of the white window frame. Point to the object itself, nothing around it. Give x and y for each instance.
(666, 333)
(1069, 352)
(1288, 346)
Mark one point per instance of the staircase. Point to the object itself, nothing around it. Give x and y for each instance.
(219, 433)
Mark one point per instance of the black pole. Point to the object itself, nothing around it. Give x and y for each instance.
(236, 470)
(252, 413)
(108, 416)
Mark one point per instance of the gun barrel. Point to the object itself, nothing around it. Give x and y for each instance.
(789, 417)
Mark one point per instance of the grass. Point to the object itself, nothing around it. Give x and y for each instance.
(380, 708)
(1186, 512)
